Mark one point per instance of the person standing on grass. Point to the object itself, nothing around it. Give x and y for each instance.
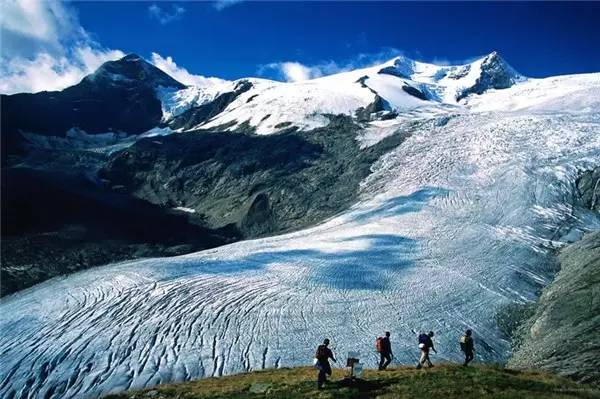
(467, 346)
(322, 357)
(425, 345)
(384, 347)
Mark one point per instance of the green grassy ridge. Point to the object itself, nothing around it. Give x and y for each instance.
(442, 381)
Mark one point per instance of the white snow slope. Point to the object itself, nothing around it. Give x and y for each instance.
(306, 104)
(452, 225)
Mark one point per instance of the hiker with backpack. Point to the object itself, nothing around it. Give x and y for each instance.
(384, 347)
(467, 346)
(425, 344)
(322, 357)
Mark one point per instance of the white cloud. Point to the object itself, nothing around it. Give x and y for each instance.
(28, 26)
(293, 71)
(48, 72)
(90, 59)
(44, 47)
(181, 74)
(221, 4)
(164, 16)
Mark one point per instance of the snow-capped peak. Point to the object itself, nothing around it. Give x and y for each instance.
(451, 83)
(396, 88)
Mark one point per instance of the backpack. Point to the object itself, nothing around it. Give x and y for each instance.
(464, 343)
(321, 352)
(379, 344)
(423, 339)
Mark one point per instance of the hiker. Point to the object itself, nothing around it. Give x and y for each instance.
(425, 344)
(384, 347)
(322, 362)
(466, 345)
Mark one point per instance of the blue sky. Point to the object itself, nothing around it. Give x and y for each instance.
(539, 39)
(232, 39)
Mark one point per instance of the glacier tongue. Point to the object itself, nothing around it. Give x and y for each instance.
(453, 224)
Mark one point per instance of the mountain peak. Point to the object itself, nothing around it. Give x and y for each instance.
(494, 54)
(495, 73)
(132, 69)
(132, 57)
(495, 60)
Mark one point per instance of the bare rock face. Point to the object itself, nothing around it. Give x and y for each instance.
(120, 96)
(257, 185)
(495, 74)
(564, 333)
(588, 187)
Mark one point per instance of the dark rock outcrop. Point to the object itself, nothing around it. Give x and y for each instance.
(391, 70)
(415, 92)
(365, 114)
(495, 74)
(119, 96)
(58, 222)
(261, 184)
(588, 187)
(564, 333)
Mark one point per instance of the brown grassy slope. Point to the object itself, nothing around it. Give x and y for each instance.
(443, 381)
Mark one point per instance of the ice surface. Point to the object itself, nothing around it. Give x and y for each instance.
(573, 93)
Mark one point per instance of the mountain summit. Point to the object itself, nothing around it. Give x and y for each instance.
(381, 91)
(452, 83)
(131, 70)
(120, 96)
(494, 73)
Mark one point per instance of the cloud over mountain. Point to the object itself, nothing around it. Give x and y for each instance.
(168, 65)
(44, 47)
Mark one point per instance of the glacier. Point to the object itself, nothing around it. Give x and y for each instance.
(451, 226)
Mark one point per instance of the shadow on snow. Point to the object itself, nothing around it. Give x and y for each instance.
(349, 269)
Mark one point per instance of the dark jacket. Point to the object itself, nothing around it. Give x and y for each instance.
(323, 354)
(426, 340)
(386, 345)
(466, 343)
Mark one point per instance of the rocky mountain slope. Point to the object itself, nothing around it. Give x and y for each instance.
(564, 333)
(259, 184)
(119, 96)
(55, 223)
